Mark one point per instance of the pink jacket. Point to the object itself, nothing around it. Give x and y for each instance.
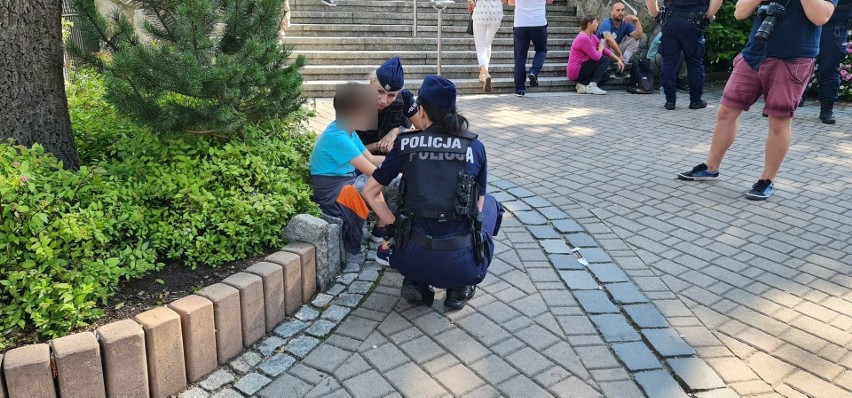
(584, 48)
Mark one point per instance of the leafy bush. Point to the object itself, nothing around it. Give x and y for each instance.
(68, 238)
(726, 37)
(61, 248)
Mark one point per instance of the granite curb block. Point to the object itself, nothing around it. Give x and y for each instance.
(659, 359)
(201, 337)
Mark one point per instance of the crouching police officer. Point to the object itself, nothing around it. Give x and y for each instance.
(395, 104)
(832, 51)
(445, 223)
(684, 23)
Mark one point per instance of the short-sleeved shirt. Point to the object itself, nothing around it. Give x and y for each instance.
(794, 37)
(334, 151)
(530, 13)
(476, 165)
(607, 25)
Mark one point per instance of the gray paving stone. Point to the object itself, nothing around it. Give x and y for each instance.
(360, 287)
(608, 273)
(290, 328)
(646, 316)
(322, 300)
(269, 345)
(579, 280)
(696, 373)
(530, 218)
(516, 205)
(614, 328)
(346, 279)
(276, 364)
(422, 349)
(659, 383)
(244, 363)
(326, 358)
(720, 393)
(595, 301)
(349, 299)
(368, 275)
(626, 293)
(555, 246)
(522, 386)
(494, 369)
(352, 268)
(529, 361)
(227, 393)
(302, 345)
(595, 255)
(553, 213)
(411, 381)
(307, 313)
(336, 289)
(251, 383)
(368, 385)
(636, 356)
(194, 392)
(321, 328)
(617, 389)
(543, 232)
(575, 388)
(667, 342)
(581, 240)
(520, 192)
(285, 382)
(459, 379)
(385, 357)
(567, 226)
(566, 262)
(335, 313)
(502, 196)
(537, 201)
(217, 379)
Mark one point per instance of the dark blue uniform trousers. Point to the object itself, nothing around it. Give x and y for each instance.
(451, 268)
(682, 35)
(523, 36)
(832, 51)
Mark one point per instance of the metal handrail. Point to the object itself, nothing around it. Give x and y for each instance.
(440, 5)
(414, 15)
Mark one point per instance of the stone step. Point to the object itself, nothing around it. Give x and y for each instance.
(425, 44)
(375, 58)
(404, 31)
(400, 7)
(317, 73)
(430, 19)
(325, 89)
(405, 15)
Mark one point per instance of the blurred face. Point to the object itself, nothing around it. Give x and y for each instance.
(385, 97)
(617, 12)
(592, 26)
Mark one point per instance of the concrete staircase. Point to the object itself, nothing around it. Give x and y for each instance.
(347, 42)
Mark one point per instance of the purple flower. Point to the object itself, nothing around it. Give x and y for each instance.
(24, 179)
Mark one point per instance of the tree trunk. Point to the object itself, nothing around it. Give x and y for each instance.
(33, 107)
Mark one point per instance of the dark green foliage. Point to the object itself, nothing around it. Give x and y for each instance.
(210, 67)
(726, 37)
(67, 238)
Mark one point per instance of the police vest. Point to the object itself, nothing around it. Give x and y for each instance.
(843, 6)
(392, 117)
(432, 163)
(672, 4)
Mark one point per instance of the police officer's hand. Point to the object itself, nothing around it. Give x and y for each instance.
(386, 143)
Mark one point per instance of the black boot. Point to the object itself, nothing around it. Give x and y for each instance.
(457, 296)
(826, 111)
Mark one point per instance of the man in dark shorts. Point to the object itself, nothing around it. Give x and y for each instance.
(395, 104)
(778, 70)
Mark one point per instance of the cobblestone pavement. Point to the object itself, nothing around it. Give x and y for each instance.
(761, 291)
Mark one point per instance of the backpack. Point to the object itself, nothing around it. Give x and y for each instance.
(641, 80)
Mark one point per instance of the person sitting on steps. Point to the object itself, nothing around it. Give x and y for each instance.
(589, 61)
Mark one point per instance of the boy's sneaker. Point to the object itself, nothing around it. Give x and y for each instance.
(383, 256)
(417, 293)
(698, 173)
(761, 190)
(533, 80)
(378, 234)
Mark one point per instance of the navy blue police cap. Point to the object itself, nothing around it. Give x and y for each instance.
(439, 92)
(390, 75)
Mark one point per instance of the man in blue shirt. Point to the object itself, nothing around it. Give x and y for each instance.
(777, 69)
(621, 33)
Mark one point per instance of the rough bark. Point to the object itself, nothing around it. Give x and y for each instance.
(33, 106)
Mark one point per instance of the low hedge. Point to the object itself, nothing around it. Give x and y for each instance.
(67, 238)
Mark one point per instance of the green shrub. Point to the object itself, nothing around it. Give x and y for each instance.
(67, 238)
(61, 251)
(726, 37)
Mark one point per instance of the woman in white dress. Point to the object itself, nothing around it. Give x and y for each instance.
(487, 16)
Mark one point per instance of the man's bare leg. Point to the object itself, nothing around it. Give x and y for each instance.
(723, 135)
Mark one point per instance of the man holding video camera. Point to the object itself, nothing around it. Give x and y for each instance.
(684, 23)
(776, 64)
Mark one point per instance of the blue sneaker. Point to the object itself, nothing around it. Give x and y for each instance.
(698, 173)
(378, 234)
(762, 190)
(383, 256)
(521, 93)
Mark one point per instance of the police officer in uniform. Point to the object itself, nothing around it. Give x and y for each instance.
(684, 23)
(445, 223)
(832, 51)
(395, 105)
